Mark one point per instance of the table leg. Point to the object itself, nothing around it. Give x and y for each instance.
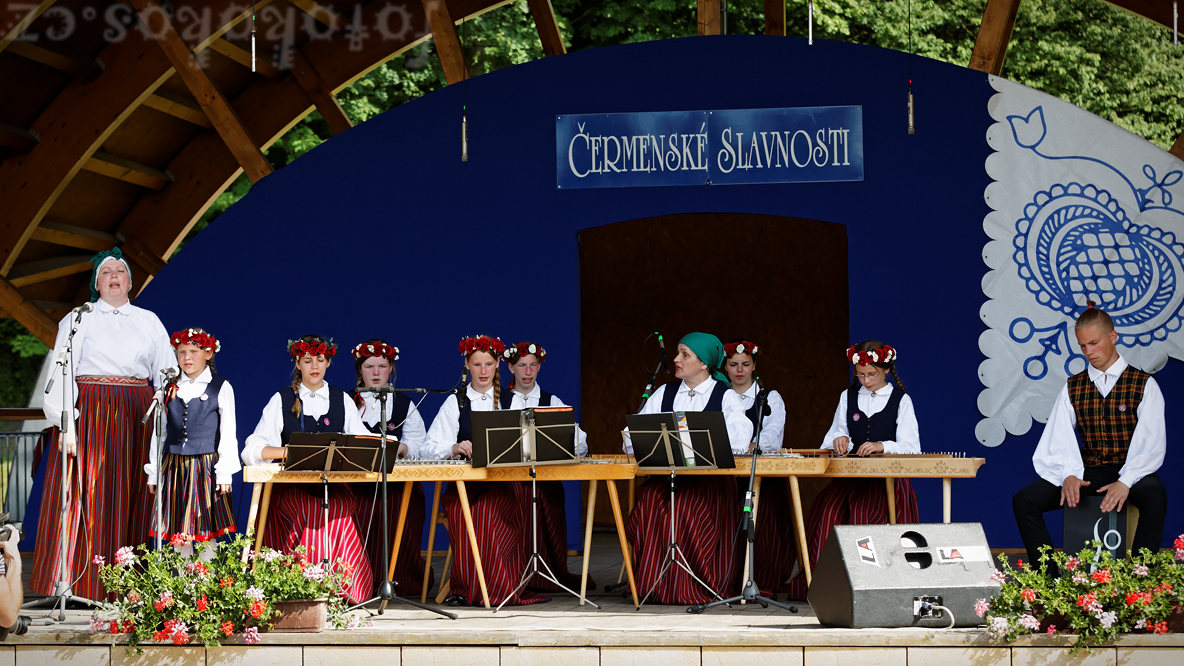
(891, 485)
(253, 515)
(945, 500)
(795, 495)
(756, 494)
(615, 500)
(263, 518)
(464, 506)
(588, 538)
(403, 504)
(427, 569)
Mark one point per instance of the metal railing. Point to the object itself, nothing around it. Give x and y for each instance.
(16, 471)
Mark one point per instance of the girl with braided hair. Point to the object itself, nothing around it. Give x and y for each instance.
(497, 508)
(296, 517)
(873, 416)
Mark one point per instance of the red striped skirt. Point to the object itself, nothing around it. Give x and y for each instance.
(775, 548)
(705, 528)
(408, 578)
(552, 535)
(190, 500)
(851, 502)
(502, 530)
(106, 504)
(296, 518)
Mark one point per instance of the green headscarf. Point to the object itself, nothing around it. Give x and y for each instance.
(98, 260)
(709, 350)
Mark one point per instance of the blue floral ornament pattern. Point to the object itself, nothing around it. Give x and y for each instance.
(1076, 243)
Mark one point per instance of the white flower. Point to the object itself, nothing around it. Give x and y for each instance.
(1140, 570)
(314, 572)
(254, 593)
(998, 627)
(998, 576)
(1029, 622)
(740, 348)
(875, 356)
(125, 556)
(1107, 619)
(533, 349)
(981, 607)
(755, 350)
(270, 555)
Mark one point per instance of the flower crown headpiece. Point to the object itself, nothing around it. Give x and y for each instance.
(299, 348)
(884, 354)
(196, 337)
(741, 347)
(515, 352)
(484, 343)
(375, 349)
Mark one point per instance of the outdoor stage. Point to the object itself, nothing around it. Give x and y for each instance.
(562, 632)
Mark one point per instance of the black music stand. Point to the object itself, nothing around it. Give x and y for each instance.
(528, 437)
(679, 440)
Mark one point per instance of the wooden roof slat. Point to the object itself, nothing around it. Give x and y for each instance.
(27, 313)
(318, 92)
(448, 46)
(82, 117)
(50, 268)
(69, 235)
(178, 107)
(710, 17)
(547, 26)
(243, 57)
(775, 17)
(136, 252)
(321, 13)
(994, 33)
(80, 66)
(226, 122)
(1159, 11)
(1178, 147)
(17, 139)
(16, 17)
(128, 171)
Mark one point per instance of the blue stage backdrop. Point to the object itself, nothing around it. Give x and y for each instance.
(384, 232)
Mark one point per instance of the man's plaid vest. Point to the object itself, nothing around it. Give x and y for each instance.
(1107, 424)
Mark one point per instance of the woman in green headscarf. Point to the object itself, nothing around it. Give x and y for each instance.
(705, 522)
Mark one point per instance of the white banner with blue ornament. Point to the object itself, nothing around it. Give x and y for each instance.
(1081, 210)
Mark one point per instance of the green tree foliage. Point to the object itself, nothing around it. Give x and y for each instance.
(20, 362)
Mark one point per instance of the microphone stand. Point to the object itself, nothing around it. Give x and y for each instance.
(649, 385)
(157, 407)
(67, 435)
(386, 589)
(748, 524)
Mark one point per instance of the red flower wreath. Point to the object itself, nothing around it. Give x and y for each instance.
(517, 351)
(741, 347)
(380, 349)
(298, 348)
(884, 354)
(196, 337)
(485, 343)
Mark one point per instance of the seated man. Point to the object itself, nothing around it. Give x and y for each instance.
(1119, 411)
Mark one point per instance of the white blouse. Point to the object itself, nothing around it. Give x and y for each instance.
(688, 400)
(124, 341)
(773, 425)
(1058, 454)
(314, 404)
(414, 433)
(908, 437)
(531, 399)
(445, 427)
(228, 464)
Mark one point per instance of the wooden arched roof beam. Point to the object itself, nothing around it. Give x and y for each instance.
(16, 17)
(78, 121)
(204, 167)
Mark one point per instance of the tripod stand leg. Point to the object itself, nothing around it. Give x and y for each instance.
(588, 538)
(468, 514)
(626, 558)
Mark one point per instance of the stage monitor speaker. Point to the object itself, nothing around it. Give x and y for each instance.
(893, 575)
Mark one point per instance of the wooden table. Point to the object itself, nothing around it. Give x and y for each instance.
(600, 468)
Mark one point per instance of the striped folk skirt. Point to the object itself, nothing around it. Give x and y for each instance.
(851, 502)
(775, 548)
(408, 578)
(296, 518)
(706, 515)
(106, 503)
(502, 531)
(190, 500)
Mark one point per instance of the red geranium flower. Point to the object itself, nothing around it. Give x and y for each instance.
(228, 628)
(226, 582)
(258, 607)
(128, 627)
(160, 636)
(203, 603)
(114, 628)
(1101, 575)
(1028, 594)
(180, 638)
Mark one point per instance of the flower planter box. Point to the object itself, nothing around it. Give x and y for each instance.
(307, 616)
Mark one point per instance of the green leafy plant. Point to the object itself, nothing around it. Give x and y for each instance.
(163, 596)
(1095, 596)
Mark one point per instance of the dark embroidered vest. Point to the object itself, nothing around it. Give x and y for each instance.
(331, 421)
(508, 398)
(751, 412)
(192, 427)
(715, 403)
(877, 428)
(1107, 424)
(394, 418)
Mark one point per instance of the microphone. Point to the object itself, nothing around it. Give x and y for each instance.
(462, 392)
(662, 347)
(85, 307)
(170, 374)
